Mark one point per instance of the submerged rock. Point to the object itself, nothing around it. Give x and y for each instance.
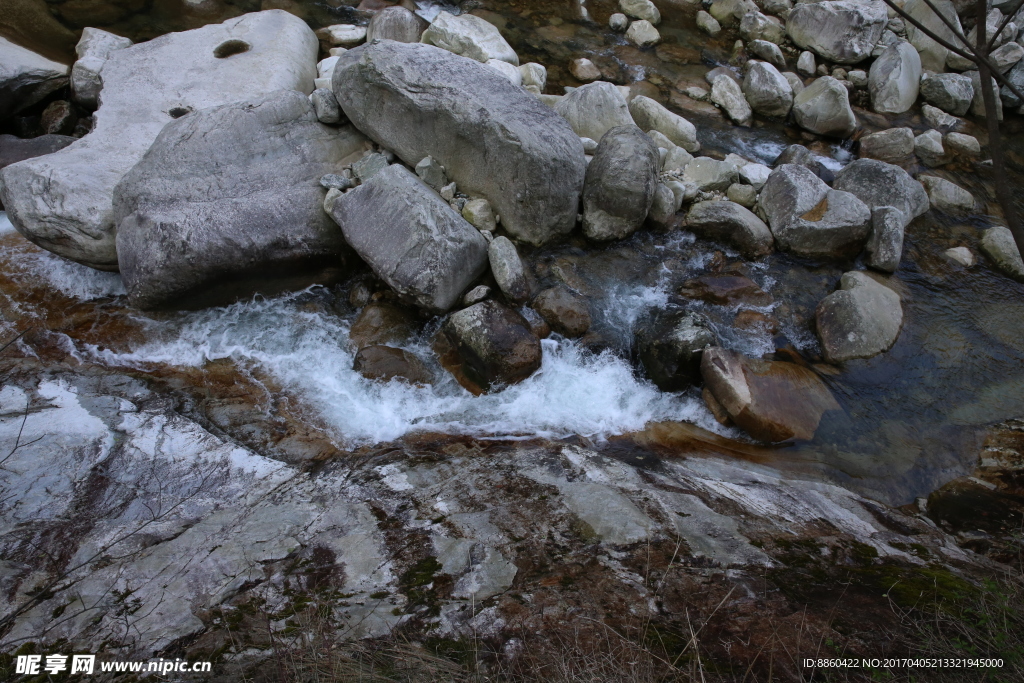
(380, 323)
(469, 36)
(620, 184)
(227, 201)
(860, 320)
(495, 345)
(567, 313)
(670, 347)
(725, 290)
(387, 363)
(809, 218)
(411, 238)
(14, 149)
(770, 400)
(841, 31)
(731, 223)
(521, 156)
(63, 202)
(594, 109)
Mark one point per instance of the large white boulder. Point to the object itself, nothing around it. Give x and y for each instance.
(894, 79)
(63, 201)
(841, 31)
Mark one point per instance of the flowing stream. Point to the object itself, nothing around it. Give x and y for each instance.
(912, 418)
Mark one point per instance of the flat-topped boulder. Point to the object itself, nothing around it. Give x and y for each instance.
(733, 224)
(877, 184)
(469, 36)
(228, 202)
(859, 320)
(494, 139)
(771, 400)
(63, 202)
(411, 238)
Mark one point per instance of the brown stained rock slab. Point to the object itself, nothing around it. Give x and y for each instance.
(770, 400)
(725, 289)
(382, 323)
(387, 363)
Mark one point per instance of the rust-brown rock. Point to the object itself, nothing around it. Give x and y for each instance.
(382, 323)
(725, 289)
(494, 345)
(566, 313)
(771, 400)
(387, 363)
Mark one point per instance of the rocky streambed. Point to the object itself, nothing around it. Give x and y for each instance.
(425, 333)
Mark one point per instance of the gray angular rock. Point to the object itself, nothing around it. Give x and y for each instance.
(1006, 56)
(726, 93)
(14, 149)
(940, 120)
(333, 181)
(767, 91)
(93, 49)
(670, 346)
(494, 344)
(469, 36)
(978, 103)
(620, 184)
(885, 244)
(894, 79)
(757, 26)
(534, 74)
(594, 108)
(946, 196)
(961, 145)
(369, 165)
(952, 93)
(769, 52)
(643, 34)
(965, 257)
(618, 22)
(411, 238)
(997, 243)
(859, 320)
(877, 184)
(710, 174)
(1016, 77)
(841, 31)
(708, 24)
(395, 23)
(933, 55)
(496, 141)
(26, 77)
(227, 202)
(801, 156)
(809, 218)
(889, 145)
(733, 224)
(480, 215)
(744, 195)
(928, 147)
(823, 107)
(650, 115)
(805, 64)
(145, 87)
(431, 172)
(582, 69)
(665, 205)
(507, 268)
(729, 12)
(325, 104)
(340, 35)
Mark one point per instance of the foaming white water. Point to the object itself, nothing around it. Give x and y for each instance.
(67, 277)
(574, 392)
